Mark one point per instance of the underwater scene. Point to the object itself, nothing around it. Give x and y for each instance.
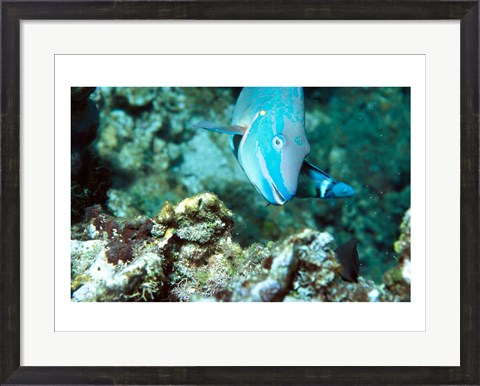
(231, 194)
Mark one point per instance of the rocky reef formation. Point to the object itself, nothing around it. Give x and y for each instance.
(397, 279)
(143, 150)
(147, 137)
(186, 253)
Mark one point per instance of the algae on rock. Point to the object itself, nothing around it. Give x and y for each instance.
(398, 278)
(186, 253)
(144, 133)
(150, 152)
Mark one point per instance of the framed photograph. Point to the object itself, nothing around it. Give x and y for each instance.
(224, 192)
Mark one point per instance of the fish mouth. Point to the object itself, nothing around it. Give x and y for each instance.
(279, 198)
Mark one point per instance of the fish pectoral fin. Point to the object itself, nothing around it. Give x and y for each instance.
(314, 182)
(235, 144)
(239, 130)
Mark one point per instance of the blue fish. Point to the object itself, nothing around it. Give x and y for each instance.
(269, 142)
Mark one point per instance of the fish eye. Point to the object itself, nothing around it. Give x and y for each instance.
(278, 141)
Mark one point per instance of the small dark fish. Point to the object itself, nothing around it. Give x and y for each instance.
(348, 256)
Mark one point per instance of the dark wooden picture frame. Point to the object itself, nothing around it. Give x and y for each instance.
(13, 12)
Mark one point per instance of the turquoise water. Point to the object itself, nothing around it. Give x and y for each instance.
(147, 151)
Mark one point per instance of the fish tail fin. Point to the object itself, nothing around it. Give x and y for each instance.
(314, 182)
(220, 129)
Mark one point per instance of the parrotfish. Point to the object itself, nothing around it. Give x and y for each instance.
(269, 141)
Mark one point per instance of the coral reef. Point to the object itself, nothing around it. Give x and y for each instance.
(186, 253)
(143, 137)
(398, 279)
(146, 151)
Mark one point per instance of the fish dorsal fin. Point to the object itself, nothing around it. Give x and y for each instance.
(232, 130)
(314, 182)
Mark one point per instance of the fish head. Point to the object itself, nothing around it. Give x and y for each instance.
(340, 190)
(272, 152)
